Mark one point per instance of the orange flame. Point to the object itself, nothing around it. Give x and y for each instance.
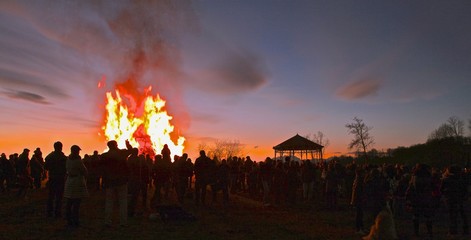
(122, 123)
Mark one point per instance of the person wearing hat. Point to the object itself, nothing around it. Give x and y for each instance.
(37, 168)
(75, 186)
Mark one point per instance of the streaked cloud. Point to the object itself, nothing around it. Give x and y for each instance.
(359, 89)
(30, 81)
(23, 95)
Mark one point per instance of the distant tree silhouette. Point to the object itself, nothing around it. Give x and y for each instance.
(362, 139)
(222, 149)
(320, 139)
(457, 126)
(469, 126)
(454, 127)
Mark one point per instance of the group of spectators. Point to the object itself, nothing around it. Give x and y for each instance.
(129, 175)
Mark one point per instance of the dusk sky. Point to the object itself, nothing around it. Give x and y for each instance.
(254, 71)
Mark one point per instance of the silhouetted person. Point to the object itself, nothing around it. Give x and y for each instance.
(56, 166)
(213, 179)
(358, 199)
(166, 153)
(455, 192)
(7, 173)
(201, 168)
(115, 180)
(266, 175)
(37, 168)
(162, 178)
(331, 186)
(292, 183)
(222, 181)
(181, 177)
(419, 194)
(307, 179)
(75, 186)
(375, 188)
(138, 180)
(279, 182)
(234, 174)
(23, 173)
(23, 161)
(190, 167)
(94, 173)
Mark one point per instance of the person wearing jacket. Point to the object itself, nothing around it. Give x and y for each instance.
(75, 186)
(115, 180)
(454, 190)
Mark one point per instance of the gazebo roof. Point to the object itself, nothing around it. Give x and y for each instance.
(298, 143)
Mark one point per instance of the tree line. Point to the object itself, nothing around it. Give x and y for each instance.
(445, 146)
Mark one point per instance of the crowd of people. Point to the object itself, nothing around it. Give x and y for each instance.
(127, 175)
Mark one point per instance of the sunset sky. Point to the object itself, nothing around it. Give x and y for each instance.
(258, 72)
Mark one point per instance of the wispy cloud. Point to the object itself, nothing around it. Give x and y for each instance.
(359, 89)
(23, 95)
(123, 40)
(30, 81)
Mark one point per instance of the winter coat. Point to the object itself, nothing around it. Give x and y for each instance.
(454, 188)
(75, 185)
(358, 197)
(419, 194)
(115, 167)
(55, 165)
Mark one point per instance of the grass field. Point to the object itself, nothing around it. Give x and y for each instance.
(244, 218)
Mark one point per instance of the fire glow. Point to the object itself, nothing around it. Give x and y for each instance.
(145, 123)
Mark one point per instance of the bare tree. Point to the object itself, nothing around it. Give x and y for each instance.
(456, 126)
(444, 131)
(223, 149)
(203, 146)
(362, 139)
(320, 139)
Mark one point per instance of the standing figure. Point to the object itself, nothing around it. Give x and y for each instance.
(37, 168)
(419, 195)
(455, 190)
(181, 177)
(202, 165)
(223, 181)
(56, 167)
(162, 168)
(358, 199)
(23, 173)
(307, 179)
(115, 180)
(6, 173)
(331, 186)
(139, 174)
(75, 186)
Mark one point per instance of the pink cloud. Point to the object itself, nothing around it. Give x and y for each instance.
(359, 89)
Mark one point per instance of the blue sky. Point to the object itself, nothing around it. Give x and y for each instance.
(255, 71)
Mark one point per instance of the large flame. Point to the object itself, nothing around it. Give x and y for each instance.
(152, 126)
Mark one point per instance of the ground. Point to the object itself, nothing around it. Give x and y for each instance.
(243, 218)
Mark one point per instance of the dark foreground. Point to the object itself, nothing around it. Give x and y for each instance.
(243, 218)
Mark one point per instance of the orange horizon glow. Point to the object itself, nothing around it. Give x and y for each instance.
(92, 142)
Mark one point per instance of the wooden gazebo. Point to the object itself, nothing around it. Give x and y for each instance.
(300, 147)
